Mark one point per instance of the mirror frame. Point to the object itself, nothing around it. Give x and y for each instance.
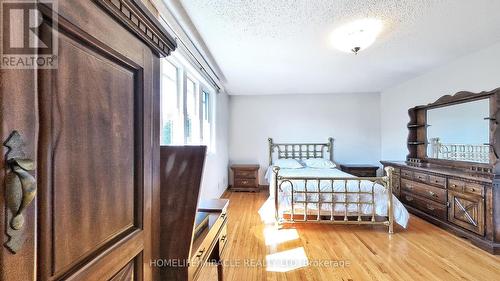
(417, 138)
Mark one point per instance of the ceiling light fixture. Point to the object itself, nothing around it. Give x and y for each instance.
(357, 35)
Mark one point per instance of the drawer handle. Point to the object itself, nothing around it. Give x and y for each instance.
(410, 187)
(200, 253)
(244, 182)
(408, 198)
(429, 207)
(223, 215)
(223, 238)
(453, 185)
(432, 193)
(472, 189)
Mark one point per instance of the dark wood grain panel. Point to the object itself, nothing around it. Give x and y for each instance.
(18, 112)
(94, 131)
(125, 274)
(84, 124)
(181, 169)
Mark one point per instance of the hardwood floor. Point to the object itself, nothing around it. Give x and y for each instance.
(259, 251)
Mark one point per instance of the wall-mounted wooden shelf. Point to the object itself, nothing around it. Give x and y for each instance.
(415, 126)
(416, 142)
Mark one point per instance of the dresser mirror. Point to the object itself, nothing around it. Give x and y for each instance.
(459, 132)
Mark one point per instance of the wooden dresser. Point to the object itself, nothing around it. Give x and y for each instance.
(451, 184)
(245, 177)
(447, 197)
(360, 170)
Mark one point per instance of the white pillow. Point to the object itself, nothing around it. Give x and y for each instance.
(319, 163)
(288, 164)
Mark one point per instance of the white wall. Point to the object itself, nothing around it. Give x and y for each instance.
(353, 120)
(215, 173)
(476, 72)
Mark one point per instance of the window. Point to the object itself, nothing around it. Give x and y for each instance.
(206, 118)
(171, 114)
(186, 105)
(192, 113)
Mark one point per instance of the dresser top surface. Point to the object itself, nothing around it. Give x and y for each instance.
(432, 168)
(213, 205)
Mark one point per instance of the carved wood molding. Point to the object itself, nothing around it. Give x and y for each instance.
(459, 97)
(133, 15)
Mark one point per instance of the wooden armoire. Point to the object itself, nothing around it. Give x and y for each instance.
(80, 154)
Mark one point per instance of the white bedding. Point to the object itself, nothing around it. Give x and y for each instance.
(401, 215)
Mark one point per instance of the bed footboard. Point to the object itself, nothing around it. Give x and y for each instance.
(346, 202)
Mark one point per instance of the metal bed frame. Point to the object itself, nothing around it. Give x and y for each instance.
(319, 150)
(459, 151)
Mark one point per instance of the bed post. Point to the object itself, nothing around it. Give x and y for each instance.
(270, 141)
(330, 148)
(276, 188)
(390, 212)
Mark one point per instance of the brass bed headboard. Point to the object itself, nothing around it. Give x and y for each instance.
(300, 150)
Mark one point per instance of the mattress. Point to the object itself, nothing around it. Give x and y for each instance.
(401, 215)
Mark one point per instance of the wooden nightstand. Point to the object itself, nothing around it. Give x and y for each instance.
(245, 177)
(360, 170)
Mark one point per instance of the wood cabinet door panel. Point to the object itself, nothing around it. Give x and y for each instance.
(93, 122)
(466, 211)
(94, 165)
(90, 127)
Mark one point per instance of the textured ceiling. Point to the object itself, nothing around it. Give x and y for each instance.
(282, 46)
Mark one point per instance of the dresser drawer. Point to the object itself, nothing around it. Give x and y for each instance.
(466, 187)
(428, 206)
(244, 174)
(407, 174)
(456, 185)
(421, 177)
(223, 239)
(437, 181)
(424, 190)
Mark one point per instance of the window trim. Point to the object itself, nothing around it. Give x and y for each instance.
(185, 72)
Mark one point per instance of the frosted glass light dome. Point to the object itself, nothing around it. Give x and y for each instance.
(357, 35)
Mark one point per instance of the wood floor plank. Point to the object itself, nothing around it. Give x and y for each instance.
(421, 252)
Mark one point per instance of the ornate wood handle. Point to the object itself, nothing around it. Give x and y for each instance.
(430, 207)
(20, 190)
(431, 193)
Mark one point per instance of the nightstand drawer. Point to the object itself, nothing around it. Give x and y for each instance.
(244, 174)
(245, 182)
